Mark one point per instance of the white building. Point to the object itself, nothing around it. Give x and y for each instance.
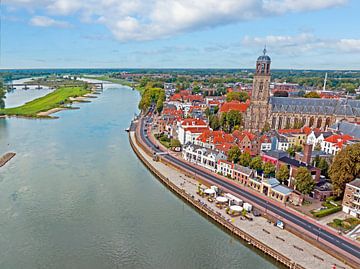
(190, 129)
(225, 168)
(204, 157)
(317, 138)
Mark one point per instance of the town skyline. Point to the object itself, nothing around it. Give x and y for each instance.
(312, 35)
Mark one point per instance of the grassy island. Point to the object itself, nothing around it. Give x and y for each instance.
(56, 99)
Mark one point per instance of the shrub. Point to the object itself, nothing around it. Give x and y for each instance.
(326, 212)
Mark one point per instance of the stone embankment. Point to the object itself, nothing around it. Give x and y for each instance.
(6, 157)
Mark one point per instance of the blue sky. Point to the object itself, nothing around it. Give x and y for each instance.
(306, 34)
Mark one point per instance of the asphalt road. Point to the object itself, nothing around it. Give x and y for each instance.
(286, 216)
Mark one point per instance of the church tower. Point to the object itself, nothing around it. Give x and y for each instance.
(258, 112)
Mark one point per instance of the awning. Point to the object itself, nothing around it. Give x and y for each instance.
(236, 208)
(221, 199)
(209, 191)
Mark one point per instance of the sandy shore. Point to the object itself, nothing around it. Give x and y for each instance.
(51, 111)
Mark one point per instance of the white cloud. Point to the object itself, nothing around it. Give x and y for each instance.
(303, 43)
(349, 45)
(151, 19)
(43, 21)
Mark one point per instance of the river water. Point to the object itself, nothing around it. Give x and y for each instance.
(76, 196)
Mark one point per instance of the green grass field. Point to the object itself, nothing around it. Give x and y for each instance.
(57, 98)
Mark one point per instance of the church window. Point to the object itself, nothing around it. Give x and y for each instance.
(261, 86)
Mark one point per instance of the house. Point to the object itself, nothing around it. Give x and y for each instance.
(296, 137)
(211, 139)
(201, 156)
(225, 168)
(190, 129)
(334, 143)
(271, 187)
(273, 156)
(246, 141)
(351, 200)
(294, 165)
(242, 174)
(317, 138)
(323, 190)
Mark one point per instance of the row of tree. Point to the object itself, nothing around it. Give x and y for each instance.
(303, 179)
(235, 155)
(152, 95)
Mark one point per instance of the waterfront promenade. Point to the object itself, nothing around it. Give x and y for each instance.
(299, 252)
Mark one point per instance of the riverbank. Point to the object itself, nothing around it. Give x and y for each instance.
(50, 103)
(123, 82)
(281, 245)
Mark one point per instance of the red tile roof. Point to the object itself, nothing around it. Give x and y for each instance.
(240, 135)
(225, 147)
(234, 105)
(193, 122)
(338, 138)
(197, 130)
(216, 137)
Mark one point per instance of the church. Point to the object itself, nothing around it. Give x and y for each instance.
(282, 112)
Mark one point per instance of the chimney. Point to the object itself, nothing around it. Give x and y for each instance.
(307, 153)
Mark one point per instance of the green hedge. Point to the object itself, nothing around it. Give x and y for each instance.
(326, 212)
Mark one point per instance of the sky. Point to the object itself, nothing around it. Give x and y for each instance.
(298, 34)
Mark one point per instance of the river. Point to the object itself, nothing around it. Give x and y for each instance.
(76, 196)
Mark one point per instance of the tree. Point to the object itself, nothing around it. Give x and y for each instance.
(304, 182)
(268, 168)
(214, 122)
(323, 166)
(174, 143)
(207, 112)
(230, 121)
(245, 159)
(256, 163)
(345, 168)
(266, 127)
(283, 173)
(312, 95)
(234, 154)
(238, 96)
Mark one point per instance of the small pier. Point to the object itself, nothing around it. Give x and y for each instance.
(6, 157)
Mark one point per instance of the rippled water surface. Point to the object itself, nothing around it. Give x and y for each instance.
(76, 196)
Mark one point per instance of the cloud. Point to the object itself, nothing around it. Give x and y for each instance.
(349, 45)
(43, 21)
(153, 19)
(303, 43)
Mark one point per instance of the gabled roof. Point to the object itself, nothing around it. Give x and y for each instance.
(234, 105)
(242, 169)
(338, 138)
(196, 130)
(193, 122)
(240, 135)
